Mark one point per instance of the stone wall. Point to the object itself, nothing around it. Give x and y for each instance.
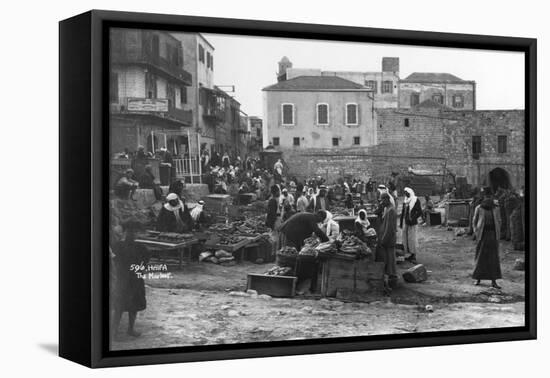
(434, 140)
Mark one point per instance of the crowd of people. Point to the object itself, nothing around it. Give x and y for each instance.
(296, 210)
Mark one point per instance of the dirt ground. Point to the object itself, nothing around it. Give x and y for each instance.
(194, 306)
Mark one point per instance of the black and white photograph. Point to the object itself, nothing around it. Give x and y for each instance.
(269, 189)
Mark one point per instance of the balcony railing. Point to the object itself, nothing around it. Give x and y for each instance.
(136, 55)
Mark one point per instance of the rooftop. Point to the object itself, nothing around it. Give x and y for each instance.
(433, 77)
(315, 83)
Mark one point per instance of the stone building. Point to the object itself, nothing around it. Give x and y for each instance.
(383, 83)
(442, 88)
(255, 141)
(216, 114)
(484, 146)
(148, 87)
(198, 56)
(318, 112)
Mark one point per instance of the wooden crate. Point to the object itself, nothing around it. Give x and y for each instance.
(457, 211)
(276, 286)
(351, 275)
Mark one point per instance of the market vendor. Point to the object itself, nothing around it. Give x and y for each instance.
(300, 226)
(174, 216)
(362, 224)
(330, 227)
(126, 185)
(198, 215)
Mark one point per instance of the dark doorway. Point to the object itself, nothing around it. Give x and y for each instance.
(498, 177)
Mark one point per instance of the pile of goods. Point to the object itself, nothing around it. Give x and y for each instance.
(286, 257)
(168, 237)
(217, 257)
(352, 246)
(222, 227)
(326, 249)
(230, 240)
(280, 271)
(251, 226)
(309, 246)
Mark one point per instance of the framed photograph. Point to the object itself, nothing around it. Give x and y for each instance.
(235, 188)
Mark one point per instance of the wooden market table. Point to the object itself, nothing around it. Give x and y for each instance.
(163, 246)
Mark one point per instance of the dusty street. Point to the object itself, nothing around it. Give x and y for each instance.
(195, 308)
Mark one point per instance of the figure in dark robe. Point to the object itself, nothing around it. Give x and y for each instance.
(487, 229)
(127, 287)
(174, 216)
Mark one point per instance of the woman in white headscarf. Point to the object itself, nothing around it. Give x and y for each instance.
(409, 222)
(330, 227)
(362, 223)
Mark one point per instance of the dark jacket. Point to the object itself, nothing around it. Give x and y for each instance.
(410, 216)
(387, 228)
(299, 227)
(166, 221)
(272, 212)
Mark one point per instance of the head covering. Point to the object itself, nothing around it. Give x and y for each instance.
(197, 210)
(129, 170)
(363, 222)
(411, 200)
(171, 197)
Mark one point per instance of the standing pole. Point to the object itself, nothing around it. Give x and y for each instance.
(199, 157)
(189, 149)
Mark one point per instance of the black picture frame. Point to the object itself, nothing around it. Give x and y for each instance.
(83, 156)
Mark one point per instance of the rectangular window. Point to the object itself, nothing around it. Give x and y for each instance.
(296, 141)
(322, 114)
(150, 85)
(155, 48)
(351, 114)
(356, 141)
(458, 101)
(335, 142)
(201, 53)
(288, 114)
(476, 145)
(372, 84)
(183, 95)
(208, 59)
(406, 122)
(276, 141)
(212, 62)
(438, 98)
(387, 86)
(113, 84)
(502, 144)
(415, 99)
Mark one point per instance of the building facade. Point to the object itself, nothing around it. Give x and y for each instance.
(384, 84)
(486, 147)
(147, 91)
(442, 88)
(255, 140)
(318, 112)
(198, 56)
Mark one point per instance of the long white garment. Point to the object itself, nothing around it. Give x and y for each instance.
(410, 241)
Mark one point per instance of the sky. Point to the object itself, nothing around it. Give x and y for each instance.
(250, 64)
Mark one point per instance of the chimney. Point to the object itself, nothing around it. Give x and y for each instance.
(390, 64)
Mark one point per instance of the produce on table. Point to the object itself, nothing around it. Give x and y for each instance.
(287, 251)
(280, 271)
